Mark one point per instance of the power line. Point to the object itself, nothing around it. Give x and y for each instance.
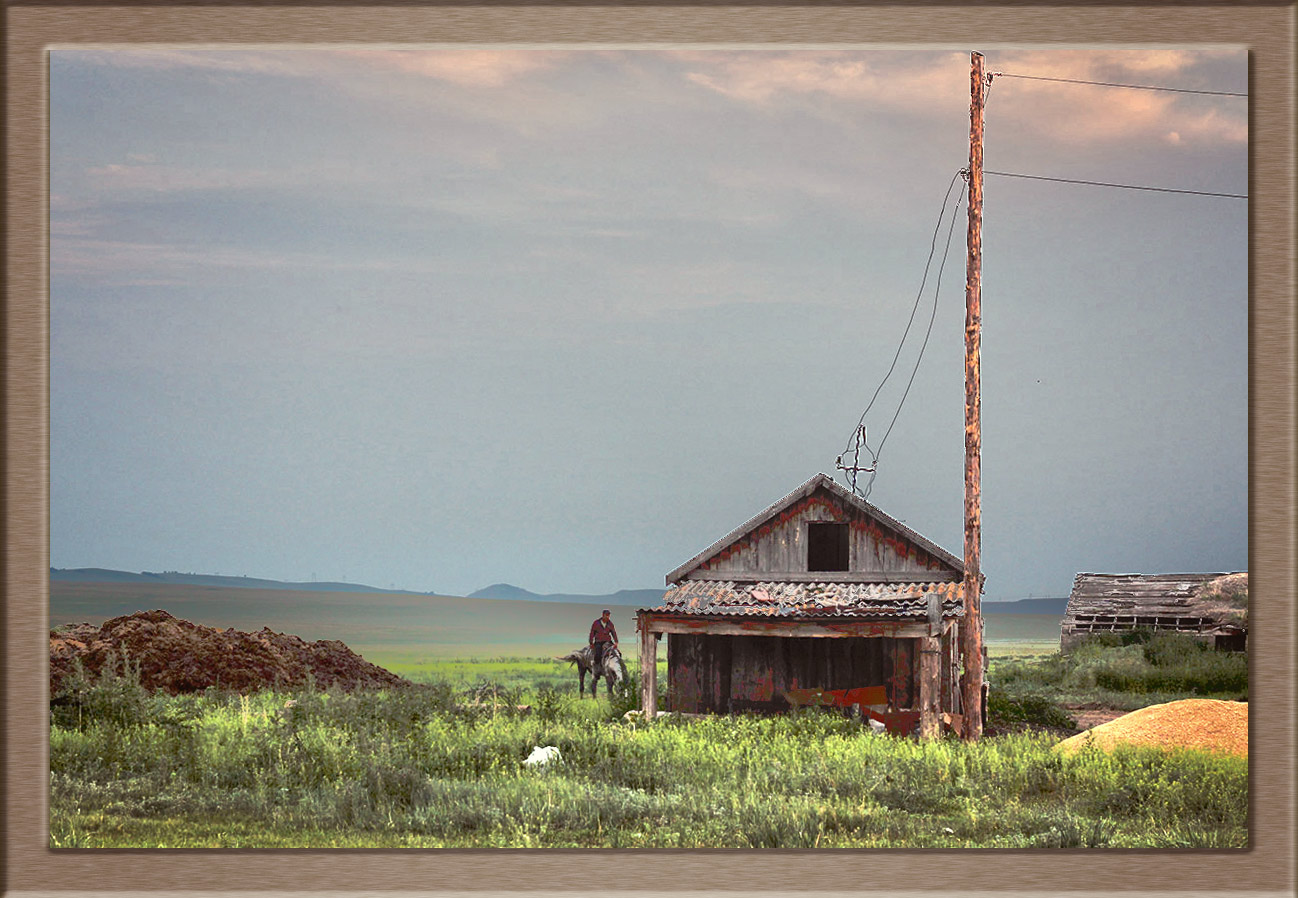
(858, 438)
(937, 289)
(1179, 90)
(1006, 174)
(932, 249)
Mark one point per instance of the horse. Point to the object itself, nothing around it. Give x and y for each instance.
(611, 668)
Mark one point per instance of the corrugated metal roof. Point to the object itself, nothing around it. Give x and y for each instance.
(810, 600)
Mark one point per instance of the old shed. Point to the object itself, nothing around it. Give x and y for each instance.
(1213, 607)
(820, 593)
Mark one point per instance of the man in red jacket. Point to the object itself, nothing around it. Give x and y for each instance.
(602, 635)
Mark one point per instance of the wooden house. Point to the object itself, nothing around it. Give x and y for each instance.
(1213, 607)
(821, 596)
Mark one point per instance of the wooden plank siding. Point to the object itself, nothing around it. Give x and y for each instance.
(722, 674)
(781, 546)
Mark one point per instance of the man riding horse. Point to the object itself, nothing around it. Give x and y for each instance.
(602, 635)
(599, 657)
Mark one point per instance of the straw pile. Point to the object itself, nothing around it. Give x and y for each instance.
(1204, 724)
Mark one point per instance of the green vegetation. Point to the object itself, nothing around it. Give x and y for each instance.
(1126, 671)
(441, 764)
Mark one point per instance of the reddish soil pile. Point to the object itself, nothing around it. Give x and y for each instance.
(178, 656)
(1205, 724)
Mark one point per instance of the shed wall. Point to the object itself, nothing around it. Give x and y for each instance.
(709, 673)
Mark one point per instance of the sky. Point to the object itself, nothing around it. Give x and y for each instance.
(436, 318)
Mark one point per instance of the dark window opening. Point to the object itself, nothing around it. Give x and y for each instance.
(827, 547)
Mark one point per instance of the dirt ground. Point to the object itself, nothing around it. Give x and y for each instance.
(1088, 716)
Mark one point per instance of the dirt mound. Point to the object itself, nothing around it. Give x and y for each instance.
(178, 656)
(1205, 724)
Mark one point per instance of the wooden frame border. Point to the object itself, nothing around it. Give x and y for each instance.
(29, 868)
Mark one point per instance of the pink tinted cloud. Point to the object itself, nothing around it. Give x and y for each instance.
(874, 79)
(1086, 113)
(466, 67)
(926, 83)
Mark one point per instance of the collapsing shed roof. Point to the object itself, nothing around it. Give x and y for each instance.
(802, 601)
(1205, 597)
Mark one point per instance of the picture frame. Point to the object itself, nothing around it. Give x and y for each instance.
(1266, 868)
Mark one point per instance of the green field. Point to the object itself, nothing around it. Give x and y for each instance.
(412, 635)
(441, 765)
(427, 767)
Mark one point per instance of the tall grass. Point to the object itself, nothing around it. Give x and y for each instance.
(424, 766)
(1127, 671)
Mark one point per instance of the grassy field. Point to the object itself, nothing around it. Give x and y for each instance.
(413, 635)
(430, 767)
(433, 766)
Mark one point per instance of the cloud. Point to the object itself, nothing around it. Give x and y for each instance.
(922, 83)
(120, 262)
(465, 67)
(874, 79)
(166, 178)
(1089, 114)
(162, 178)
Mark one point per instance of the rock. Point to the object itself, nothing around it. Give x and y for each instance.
(540, 757)
(175, 656)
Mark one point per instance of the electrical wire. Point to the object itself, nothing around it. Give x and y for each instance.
(937, 289)
(1006, 174)
(1179, 90)
(919, 295)
(858, 438)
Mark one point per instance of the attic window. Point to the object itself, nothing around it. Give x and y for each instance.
(826, 547)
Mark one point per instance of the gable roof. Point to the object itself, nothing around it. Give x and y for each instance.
(842, 495)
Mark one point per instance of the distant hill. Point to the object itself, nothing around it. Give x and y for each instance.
(1027, 606)
(103, 575)
(638, 598)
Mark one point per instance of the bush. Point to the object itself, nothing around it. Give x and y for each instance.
(113, 697)
(1030, 709)
(1128, 670)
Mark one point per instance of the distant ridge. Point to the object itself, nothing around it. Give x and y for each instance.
(638, 598)
(103, 575)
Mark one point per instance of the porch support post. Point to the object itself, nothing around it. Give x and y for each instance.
(648, 668)
(930, 688)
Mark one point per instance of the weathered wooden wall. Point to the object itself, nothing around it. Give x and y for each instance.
(708, 673)
(781, 545)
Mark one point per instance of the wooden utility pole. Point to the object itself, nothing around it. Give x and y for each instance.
(971, 641)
